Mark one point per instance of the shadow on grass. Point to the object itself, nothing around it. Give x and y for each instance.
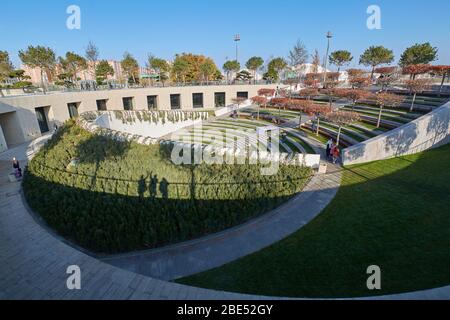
(391, 213)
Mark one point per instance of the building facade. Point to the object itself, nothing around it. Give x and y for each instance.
(24, 118)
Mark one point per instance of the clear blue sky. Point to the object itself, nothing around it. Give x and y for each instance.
(267, 27)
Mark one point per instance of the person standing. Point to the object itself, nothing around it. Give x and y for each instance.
(328, 151)
(16, 167)
(336, 154)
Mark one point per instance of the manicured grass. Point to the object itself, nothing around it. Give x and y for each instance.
(392, 213)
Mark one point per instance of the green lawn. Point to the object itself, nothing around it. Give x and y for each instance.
(393, 213)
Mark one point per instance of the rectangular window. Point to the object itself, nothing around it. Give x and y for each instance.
(42, 119)
(197, 100)
(127, 103)
(152, 102)
(73, 109)
(242, 94)
(175, 101)
(101, 105)
(219, 99)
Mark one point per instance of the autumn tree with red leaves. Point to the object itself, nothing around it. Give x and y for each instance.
(308, 93)
(388, 75)
(415, 69)
(443, 71)
(354, 95)
(302, 106)
(360, 82)
(342, 118)
(259, 101)
(417, 86)
(386, 99)
(318, 111)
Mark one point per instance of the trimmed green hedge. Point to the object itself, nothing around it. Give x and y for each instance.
(110, 196)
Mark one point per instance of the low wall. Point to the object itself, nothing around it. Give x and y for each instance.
(429, 131)
(154, 124)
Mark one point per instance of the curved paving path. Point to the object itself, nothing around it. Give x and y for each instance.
(33, 262)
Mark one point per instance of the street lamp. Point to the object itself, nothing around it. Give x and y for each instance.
(237, 38)
(329, 36)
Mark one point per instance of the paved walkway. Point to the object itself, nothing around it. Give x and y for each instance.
(33, 262)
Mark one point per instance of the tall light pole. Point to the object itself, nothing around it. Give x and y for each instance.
(329, 36)
(237, 38)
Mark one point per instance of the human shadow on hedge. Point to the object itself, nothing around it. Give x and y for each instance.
(110, 223)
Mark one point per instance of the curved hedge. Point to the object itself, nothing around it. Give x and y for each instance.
(111, 196)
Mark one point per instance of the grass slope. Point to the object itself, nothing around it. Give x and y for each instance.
(393, 213)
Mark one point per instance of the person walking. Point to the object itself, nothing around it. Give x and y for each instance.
(328, 150)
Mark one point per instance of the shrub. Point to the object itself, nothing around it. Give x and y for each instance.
(112, 196)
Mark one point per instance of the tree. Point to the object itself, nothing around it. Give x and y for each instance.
(72, 64)
(302, 106)
(188, 65)
(259, 101)
(315, 61)
(354, 95)
(415, 69)
(244, 75)
(161, 67)
(271, 75)
(265, 92)
(298, 55)
(443, 71)
(341, 119)
(39, 57)
(375, 56)
(417, 86)
(361, 82)
(418, 54)
(277, 65)
(356, 73)
(208, 69)
(130, 66)
(386, 99)
(103, 70)
(180, 68)
(330, 84)
(254, 64)
(308, 93)
(6, 68)
(318, 111)
(230, 67)
(92, 54)
(387, 76)
(238, 101)
(21, 77)
(340, 58)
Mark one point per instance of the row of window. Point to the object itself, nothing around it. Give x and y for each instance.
(152, 104)
(175, 101)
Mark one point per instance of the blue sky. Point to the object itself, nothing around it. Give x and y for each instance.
(267, 27)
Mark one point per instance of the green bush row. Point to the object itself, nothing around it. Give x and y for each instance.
(111, 196)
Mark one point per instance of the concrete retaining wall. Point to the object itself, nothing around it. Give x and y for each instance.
(429, 131)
